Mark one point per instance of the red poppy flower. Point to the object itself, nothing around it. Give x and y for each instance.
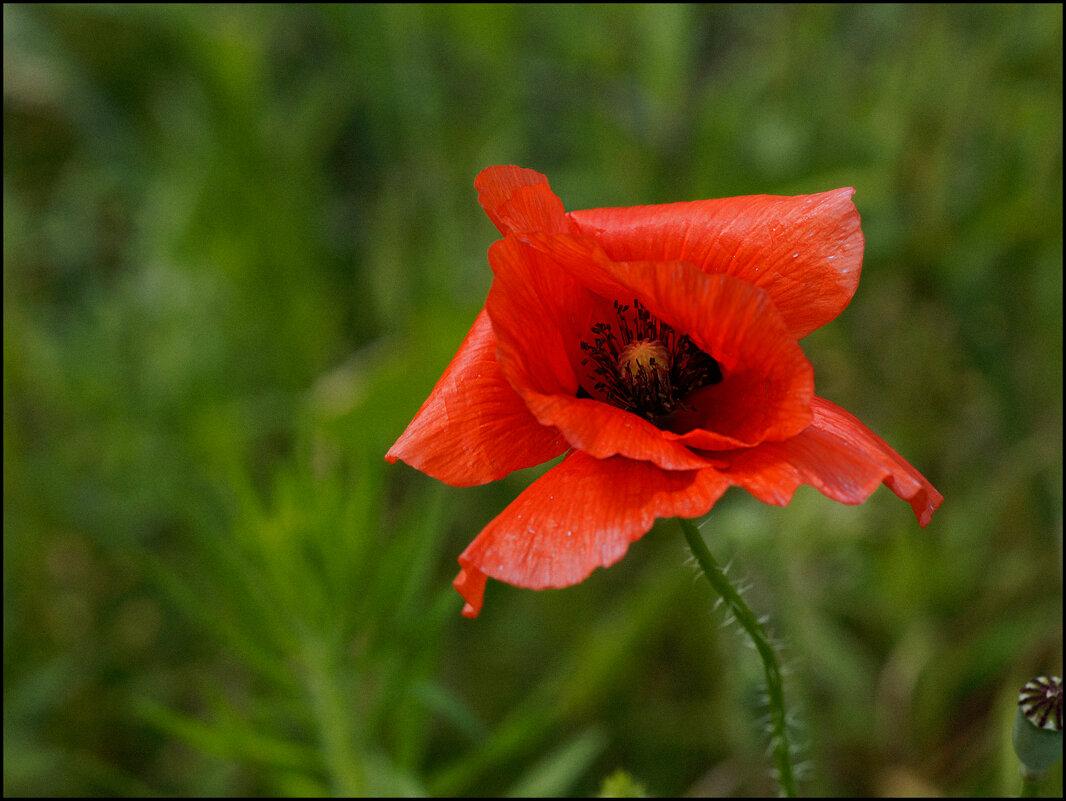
(657, 347)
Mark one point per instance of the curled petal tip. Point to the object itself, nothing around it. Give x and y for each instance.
(470, 584)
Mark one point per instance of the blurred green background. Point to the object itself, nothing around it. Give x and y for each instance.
(242, 242)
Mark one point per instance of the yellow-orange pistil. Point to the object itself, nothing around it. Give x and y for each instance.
(644, 356)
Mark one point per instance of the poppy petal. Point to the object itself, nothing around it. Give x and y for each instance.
(840, 457)
(580, 515)
(533, 305)
(603, 431)
(767, 384)
(767, 381)
(806, 251)
(518, 200)
(474, 428)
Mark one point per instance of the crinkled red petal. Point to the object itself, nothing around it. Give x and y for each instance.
(839, 456)
(535, 309)
(520, 200)
(603, 431)
(767, 381)
(580, 515)
(532, 304)
(806, 251)
(474, 428)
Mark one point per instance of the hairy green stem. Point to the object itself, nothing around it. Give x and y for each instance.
(750, 624)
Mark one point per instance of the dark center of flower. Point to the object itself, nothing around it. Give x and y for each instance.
(647, 368)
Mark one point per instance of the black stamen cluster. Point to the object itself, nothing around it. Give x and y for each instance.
(652, 392)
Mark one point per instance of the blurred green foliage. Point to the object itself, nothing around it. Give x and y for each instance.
(241, 243)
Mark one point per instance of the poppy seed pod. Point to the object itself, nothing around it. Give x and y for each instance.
(1037, 733)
